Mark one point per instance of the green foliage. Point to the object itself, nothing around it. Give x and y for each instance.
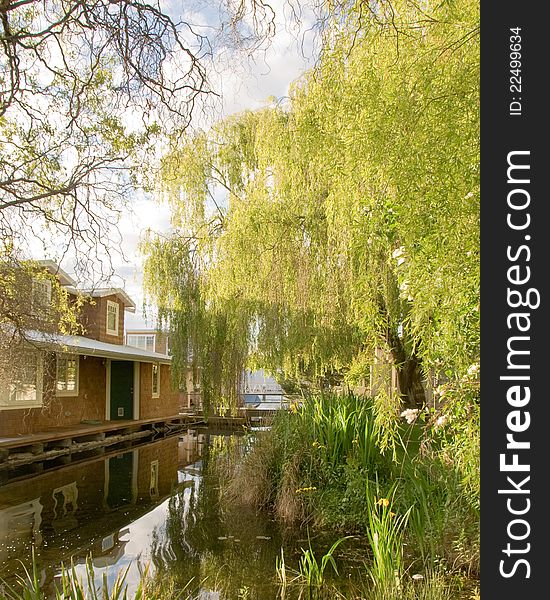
(344, 220)
(203, 334)
(311, 571)
(444, 519)
(322, 463)
(314, 462)
(385, 532)
(341, 427)
(435, 584)
(313, 234)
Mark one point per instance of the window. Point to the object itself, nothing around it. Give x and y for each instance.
(154, 482)
(24, 389)
(112, 317)
(66, 375)
(143, 341)
(41, 295)
(19, 524)
(65, 501)
(108, 542)
(156, 380)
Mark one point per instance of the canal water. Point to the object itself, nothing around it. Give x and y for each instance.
(157, 505)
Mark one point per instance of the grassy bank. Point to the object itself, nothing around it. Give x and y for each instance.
(330, 463)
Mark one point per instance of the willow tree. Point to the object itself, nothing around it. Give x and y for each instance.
(345, 219)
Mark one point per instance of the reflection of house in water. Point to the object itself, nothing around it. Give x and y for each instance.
(112, 549)
(99, 499)
(121, 480)
(191, 447)
(20, 527)
(65, 507)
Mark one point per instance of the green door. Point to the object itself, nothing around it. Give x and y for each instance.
(122, 389)
(120, 480)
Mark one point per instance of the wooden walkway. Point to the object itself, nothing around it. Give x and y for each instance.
(65, 444)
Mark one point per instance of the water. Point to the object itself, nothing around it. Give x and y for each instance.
(158, 505)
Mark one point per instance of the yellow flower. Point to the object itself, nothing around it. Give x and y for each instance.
(383, 502)
(305, 489)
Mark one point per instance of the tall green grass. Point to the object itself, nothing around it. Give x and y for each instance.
(311, 572)
(385, 531)
(341, 426)
(324, 464)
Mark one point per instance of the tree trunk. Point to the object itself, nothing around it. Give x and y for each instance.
(409, 373)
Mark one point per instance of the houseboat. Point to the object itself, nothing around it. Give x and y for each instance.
(93, 378)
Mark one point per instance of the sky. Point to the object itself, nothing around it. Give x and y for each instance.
(243, 84)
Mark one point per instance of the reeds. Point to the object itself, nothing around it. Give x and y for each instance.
(322, 463)
(385, 532)
(341, 426)
(71, 586)
(311, 570)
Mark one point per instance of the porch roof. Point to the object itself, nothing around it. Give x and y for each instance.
(87, 347)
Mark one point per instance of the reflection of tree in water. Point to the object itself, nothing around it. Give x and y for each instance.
(205, 538)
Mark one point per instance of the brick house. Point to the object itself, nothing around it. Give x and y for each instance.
(90, 378)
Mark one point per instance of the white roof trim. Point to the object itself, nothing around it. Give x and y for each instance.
(88, 347)
(52, 267)
(129, 304)
(144, 332)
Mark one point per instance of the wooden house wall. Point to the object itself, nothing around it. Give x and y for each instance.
(93, 319)
(167, 404)
(90, 402)
(61, 411)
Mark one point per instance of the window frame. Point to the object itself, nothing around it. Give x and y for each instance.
(6, 402)
(131, 340)
(39, 304)
(109, 304)
(153, 393)
(67, 393)
(154, 479)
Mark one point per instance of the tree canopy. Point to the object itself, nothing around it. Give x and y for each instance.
(350, 218)
(308, 233)
(313, 231)
(305, 234)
